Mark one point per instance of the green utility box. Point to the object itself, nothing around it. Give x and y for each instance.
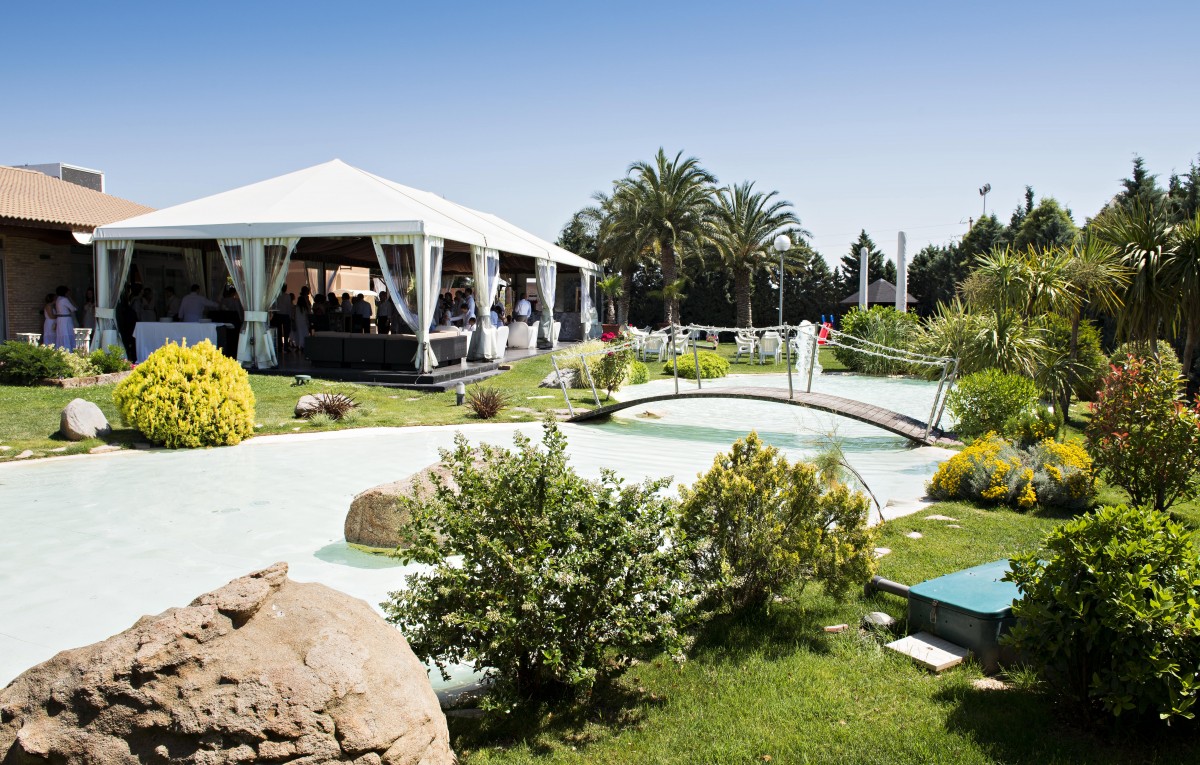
(971, 608)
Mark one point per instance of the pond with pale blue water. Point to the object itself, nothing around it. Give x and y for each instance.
(91, 543)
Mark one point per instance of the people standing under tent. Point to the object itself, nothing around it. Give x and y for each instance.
(191, 308)
(497, 315)
(303, 312)
(89, 310)
(172, 302)
(48, 319)
(362, 315)
(320, 317)
(145, 306)
(383, 314)
(523, 310)
(469, 300)
(64, 319)
(127, 319)
(280, 319)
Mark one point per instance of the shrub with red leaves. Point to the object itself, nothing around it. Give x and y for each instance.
(1143, 437)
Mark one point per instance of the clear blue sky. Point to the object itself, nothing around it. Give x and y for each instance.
(875, 115)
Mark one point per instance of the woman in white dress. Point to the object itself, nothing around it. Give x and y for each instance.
(303, 310)
(64, 324)
(48, 320)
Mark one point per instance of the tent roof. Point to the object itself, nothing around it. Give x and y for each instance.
(879, 291)
(329, 200)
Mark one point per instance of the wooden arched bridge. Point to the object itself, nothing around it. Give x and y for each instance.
(885, 419)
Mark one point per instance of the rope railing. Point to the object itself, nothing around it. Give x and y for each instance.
(790, 334)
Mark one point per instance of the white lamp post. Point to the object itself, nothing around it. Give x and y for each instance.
(782, 244)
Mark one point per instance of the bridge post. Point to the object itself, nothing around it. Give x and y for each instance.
(787, 356)
(675, 360)
(936, 399)
(562, 384)
(812, 359)
(696, 359)
(953, 376)
(588, 373)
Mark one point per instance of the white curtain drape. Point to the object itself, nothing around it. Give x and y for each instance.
(485, 267)
(428, 256)
(258, 268)
(113, 259)
(399, 273)
(589, 319)
(193, 266)
(547, 278)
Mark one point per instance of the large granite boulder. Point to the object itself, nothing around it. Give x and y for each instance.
(263, 669)
(375, 516)
(82, 419)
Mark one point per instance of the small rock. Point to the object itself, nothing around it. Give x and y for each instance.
(953, 526)
(914, 535)
(82, 419)
(24, 455)
(989, 684)
(649, 415)
(104, 449)
(4, 448)
(837, 627)
(878, 621)
(882, 551)
(939, 518)
(551, 380)
(59, 450)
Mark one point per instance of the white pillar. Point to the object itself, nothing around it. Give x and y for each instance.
(863, 257)
(901, 273)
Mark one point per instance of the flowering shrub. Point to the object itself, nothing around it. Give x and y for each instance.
(994, 471)
(760, 523)
(712, 365)
(188, 397)
(608, 337)
(1167, 357)
(561, 582)
(1143, 437)
(611, 369)
(1108, 615)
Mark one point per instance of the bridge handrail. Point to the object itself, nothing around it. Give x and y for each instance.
(835, 333)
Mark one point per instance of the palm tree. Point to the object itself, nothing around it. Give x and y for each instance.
(621, 244)
(1185, 274)
(746, 223)
(1096, 276)
(1141, 233)
(671, 204)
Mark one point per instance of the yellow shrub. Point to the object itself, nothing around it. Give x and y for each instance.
(994, 470)
(188, 397)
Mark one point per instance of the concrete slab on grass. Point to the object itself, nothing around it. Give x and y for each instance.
(930, 651)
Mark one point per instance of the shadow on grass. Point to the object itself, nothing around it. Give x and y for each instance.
(770, 633)
(614, 705)
(1019, 725)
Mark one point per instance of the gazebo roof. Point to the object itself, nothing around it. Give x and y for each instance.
(879, 291)
(334, 199)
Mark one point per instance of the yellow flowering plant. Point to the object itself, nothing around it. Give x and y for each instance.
(993, 470)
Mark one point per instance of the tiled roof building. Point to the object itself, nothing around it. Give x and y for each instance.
(44, 226)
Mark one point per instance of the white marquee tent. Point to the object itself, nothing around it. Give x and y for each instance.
(257, 229)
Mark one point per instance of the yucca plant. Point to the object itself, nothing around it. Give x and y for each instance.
(487, 401)
(335, 406)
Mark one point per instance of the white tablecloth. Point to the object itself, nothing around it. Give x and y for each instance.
(152, 335)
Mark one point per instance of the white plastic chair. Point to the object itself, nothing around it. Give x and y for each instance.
(747, 343)
(656, 343)
(770, 344)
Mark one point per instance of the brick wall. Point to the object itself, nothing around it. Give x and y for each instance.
(31, 269)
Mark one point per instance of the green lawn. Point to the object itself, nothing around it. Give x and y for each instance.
(776, 686)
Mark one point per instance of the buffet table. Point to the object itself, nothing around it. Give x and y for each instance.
(152, 335)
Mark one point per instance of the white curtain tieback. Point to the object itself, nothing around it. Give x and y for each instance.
(260, 316)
